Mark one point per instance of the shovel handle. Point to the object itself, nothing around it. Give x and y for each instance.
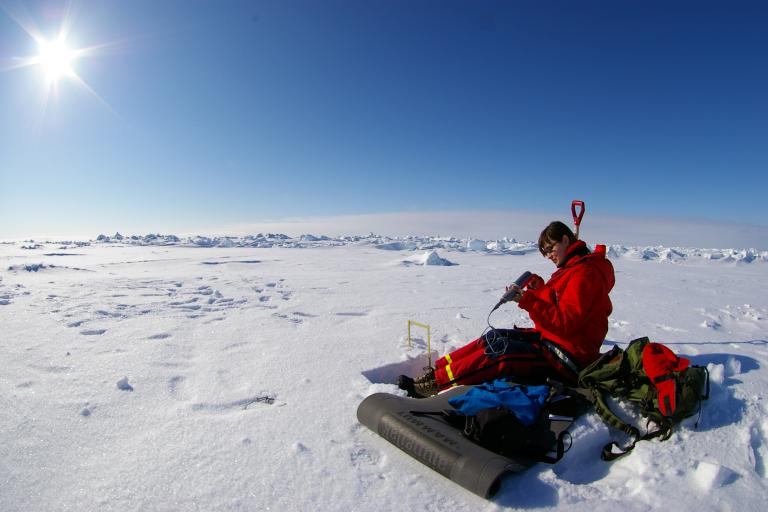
(577, 216)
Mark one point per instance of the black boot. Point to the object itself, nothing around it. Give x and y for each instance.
(420, 387)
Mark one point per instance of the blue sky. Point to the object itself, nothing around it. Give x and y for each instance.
(217, 113)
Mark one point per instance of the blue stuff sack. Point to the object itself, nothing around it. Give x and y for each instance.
(525, 402)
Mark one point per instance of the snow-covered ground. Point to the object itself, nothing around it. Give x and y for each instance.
(168, 373)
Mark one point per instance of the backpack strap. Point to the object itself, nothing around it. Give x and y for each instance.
(612, 450)
(705, 396)
(563, 357)
(605, 412)
(559, 450)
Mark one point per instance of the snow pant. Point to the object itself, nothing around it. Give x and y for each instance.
(520, 354)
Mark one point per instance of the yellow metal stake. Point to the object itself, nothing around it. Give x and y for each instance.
(429, 338)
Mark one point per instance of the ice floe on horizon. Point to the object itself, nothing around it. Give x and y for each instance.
(504, 246)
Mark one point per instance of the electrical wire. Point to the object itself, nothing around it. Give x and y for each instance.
(495, 344)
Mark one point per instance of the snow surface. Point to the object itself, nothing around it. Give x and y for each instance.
(223, 373)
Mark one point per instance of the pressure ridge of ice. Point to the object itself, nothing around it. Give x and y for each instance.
(414, 243)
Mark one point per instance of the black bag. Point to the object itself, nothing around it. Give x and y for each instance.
(546, 440)
(500, 431)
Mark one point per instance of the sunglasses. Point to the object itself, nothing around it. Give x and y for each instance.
(547, 249)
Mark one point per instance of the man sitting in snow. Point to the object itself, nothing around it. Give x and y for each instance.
(570, 316)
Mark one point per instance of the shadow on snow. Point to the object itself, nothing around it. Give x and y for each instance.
(582, 464)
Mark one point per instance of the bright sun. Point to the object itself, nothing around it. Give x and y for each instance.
(56, 59)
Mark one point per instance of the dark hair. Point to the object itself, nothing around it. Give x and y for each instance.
(554, 233)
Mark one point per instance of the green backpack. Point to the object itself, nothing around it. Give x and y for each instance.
(666, 388)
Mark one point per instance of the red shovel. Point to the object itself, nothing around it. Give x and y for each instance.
(577, 216)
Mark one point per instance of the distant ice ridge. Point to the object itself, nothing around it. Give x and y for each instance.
(509, 246)
(677, 254)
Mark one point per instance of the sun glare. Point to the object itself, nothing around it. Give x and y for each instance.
(56, 60)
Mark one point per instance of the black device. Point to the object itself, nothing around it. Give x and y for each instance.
(521, 283)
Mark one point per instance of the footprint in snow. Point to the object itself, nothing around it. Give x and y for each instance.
(367, 464)
(123, 384)
(175, 386)
(360, 456)
(285, 317)
(184, 302)
(235, 345)
(93, 332)
(190, 307)
(758, 451)
(111, 314)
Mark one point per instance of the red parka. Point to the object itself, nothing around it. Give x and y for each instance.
(572, 308)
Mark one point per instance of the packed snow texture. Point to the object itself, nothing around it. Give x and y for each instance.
(224, 373)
